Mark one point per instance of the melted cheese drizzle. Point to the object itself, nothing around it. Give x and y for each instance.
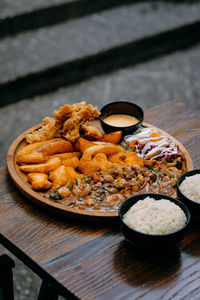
(121, 120)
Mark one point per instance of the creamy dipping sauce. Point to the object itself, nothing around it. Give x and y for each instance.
(120, 120)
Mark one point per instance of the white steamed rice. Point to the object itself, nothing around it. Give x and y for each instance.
(155, 217)
(190, 187)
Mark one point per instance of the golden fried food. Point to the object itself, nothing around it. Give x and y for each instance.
(53, 146)
(128, 159)
(68, 155)
(39, 181)
(34, 157)
(89, 165)
(73, 174)
(112, 137)
(49, 130)
(46, 167)
(62, 113)
(83, 144)
(90, 131)
(100, 159)
(94, 158)
(60, 176)
(103, 147)
(71, 162)
(66, 123)
(39, 151)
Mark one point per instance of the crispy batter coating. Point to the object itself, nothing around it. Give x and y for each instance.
(49, 130)
(89, 165)
(68, 155)
(59, 177)
(46, 167)
(103, 147)
(73, 174)
(128, 159)
(39, 181)
(39, 151)
(71, 162)
(67, 123)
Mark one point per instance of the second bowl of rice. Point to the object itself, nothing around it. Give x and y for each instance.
(154, 220)
(188, 191)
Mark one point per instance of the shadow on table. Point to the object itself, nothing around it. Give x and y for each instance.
(138, 267)
(191, 242)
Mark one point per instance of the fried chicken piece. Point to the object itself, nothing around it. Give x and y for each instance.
(128, 159)
(94, 158)
(71, 162)
(62, 113)
(81, 114)
(91, 132)
(66, 123)
(39, 181)
(49, 130)
(88, 165)
(71, 129)
(73, 174)
(60, 176)
(102, 162)
(46, 167)
(39, 151)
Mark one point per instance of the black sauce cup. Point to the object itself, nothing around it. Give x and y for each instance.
(193, 206)
(121, 107)
(152, 241)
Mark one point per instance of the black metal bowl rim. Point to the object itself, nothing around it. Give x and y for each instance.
(162, 196)
(125, 102)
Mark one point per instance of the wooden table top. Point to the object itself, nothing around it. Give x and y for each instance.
(93, 261)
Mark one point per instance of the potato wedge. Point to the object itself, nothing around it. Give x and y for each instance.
(46, 167)
(113, 137)
(64, 156)
(103, 147)
(55, 146)
(83, 144)
(39, 181)
(39, 151)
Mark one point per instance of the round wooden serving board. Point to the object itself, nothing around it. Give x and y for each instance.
(20, 180)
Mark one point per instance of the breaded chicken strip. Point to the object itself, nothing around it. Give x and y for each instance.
(39, 181)
(48, 131)
(66, 123)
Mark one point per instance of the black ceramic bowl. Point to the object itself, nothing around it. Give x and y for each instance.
(121, 107)
(193, 206)
(152, 241)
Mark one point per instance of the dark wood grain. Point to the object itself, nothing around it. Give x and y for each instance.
(92, 261)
